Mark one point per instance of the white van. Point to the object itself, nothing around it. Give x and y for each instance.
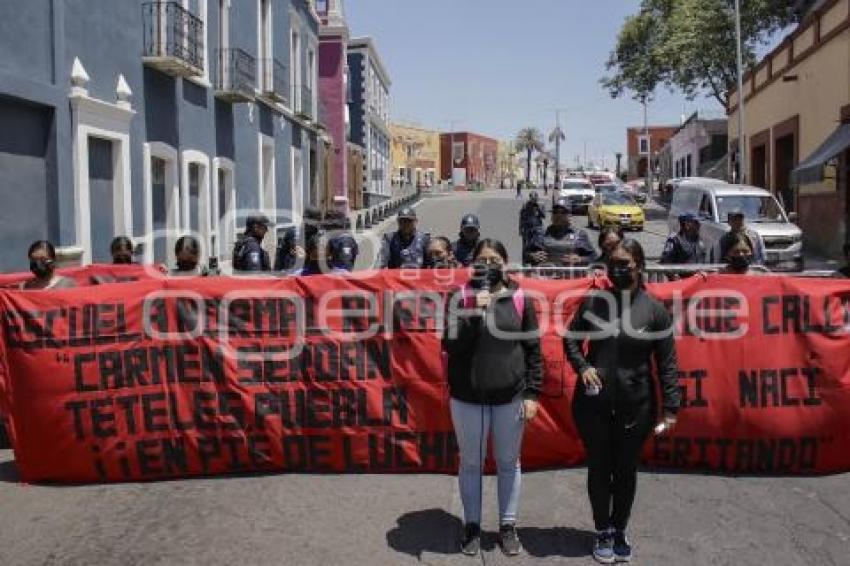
(712, 202)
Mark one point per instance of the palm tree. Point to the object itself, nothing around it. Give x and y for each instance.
(545, 157)
(529, 140)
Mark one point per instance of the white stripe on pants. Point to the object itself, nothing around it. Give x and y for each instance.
(472, 424)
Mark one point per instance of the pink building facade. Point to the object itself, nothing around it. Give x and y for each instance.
(333, 91)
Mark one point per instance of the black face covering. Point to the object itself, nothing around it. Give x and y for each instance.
(740, 263)
(621, 276)
(41, 268)
(122, 260)
(187, 265)
(495, 275)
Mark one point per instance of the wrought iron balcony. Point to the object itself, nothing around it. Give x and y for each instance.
(305, 108)
(236, 72)
(275, 85)
(173, 39)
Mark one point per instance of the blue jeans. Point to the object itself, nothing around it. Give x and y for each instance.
(473, 424)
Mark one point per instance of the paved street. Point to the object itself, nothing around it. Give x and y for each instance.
(498, 211)
(680, 519)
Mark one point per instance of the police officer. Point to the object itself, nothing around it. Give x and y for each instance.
(531, 217)
(685, 246)
(342, 253)
(248, 253)
(561, 245)
(406, 247)
(470, 233)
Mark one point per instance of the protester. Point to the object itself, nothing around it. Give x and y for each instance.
(312, 262)
(291, 247)
(494, 382)
(738, 226)
(42, 256)
(737, 253)
(684, 247)
(845, 271)
(440, 254)
(531, 217)
(470, 233)
(614, 404)
(121, 250)
(609, 237)
(406, 247)
(187, 254)
(561, 244)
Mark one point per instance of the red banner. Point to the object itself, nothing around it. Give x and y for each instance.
(175, 378)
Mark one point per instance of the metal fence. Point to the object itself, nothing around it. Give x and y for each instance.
(652, 273)
(172, 31)
(275, 80)
(236, 73)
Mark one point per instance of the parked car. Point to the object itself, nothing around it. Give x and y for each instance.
(712, 202)
(602, 178)
(578, 192)
(635, 192)
(614, 208)
(605, 187)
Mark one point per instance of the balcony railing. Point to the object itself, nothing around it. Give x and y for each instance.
(275, 85)
(173, 39)
(305, 108)
(236, 73)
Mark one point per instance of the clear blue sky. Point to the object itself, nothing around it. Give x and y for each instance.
(500, 65)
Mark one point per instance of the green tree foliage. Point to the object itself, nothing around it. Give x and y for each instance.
(690, 45)
(529, 140)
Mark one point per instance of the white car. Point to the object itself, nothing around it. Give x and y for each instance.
(579, 193)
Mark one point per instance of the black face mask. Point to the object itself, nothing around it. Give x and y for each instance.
(740, 263)
(187, 266)
(122, 260)
(41, 268)
(621, 276)
(495, 275)
(440, 263)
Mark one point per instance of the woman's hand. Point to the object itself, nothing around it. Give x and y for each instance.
(665, 425)
(529, 409)
(591, 379)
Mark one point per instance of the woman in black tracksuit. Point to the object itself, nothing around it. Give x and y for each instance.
(614, 406)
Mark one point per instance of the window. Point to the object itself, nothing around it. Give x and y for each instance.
(265, 50)
(196, 199)
(223, 211)
(162, 202)
(295, 69)
(690, 165)
(199, 9)
(706, 210)
(643, 142)
(311, 74)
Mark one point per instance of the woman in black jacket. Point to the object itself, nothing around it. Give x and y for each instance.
(494, 373)
(614, 406)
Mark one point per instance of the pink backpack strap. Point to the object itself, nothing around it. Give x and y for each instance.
(519, 303)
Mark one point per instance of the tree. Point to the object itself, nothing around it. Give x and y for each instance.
(690, 44)
(529, 140)
(556, 137)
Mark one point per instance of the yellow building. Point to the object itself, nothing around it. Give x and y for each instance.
(797, 125)
(415, 156)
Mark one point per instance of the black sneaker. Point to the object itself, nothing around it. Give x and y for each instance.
(603, 547)
(470, 543)
(622, 548)
(509, 540)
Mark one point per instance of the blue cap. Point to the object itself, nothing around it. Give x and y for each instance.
(688, 217)
(344, 250)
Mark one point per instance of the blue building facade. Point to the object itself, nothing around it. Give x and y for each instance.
(154, 119)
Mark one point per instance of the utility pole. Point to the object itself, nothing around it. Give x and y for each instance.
(558, 134)
(742, 149)
(649, 171)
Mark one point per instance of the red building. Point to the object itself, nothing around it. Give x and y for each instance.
(468, 159)
(640, 148)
